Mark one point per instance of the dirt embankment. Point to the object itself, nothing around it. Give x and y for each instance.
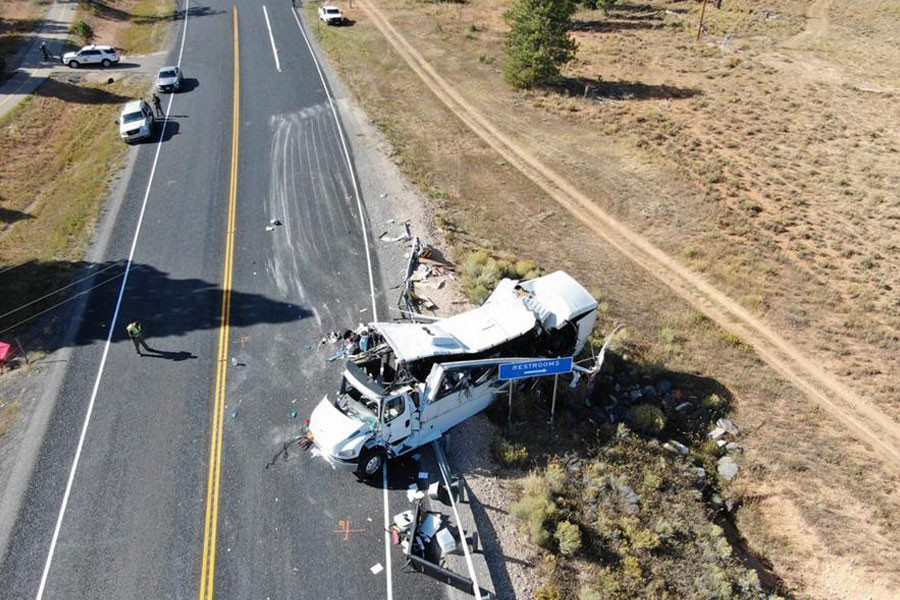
(749, 174)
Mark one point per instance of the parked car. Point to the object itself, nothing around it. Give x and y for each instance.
(169, 79)
(332, 15)
(91, 55)
(136, 122)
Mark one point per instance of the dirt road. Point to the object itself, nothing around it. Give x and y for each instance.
(866, 422)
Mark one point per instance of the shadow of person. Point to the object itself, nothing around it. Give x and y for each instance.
(176, 356)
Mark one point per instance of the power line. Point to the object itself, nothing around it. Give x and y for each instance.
(58, 290)
(58, 304)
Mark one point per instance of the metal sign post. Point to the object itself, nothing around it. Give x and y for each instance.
(553, 405)
(509, 413)
(534, 367)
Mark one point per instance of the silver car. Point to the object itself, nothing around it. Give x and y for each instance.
(169, 79)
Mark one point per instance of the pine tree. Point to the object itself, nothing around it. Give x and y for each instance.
(538, 42)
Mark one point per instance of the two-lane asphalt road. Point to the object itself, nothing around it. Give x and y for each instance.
(151, 481)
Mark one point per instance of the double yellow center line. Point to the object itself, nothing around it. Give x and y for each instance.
(208, 568)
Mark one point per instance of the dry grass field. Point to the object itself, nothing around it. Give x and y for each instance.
(762, 157)
(60, 151)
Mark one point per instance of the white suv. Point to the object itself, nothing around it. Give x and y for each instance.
(91, 55)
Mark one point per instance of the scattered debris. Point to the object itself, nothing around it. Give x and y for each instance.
(675, 446)
(716, 433)
(426, 538)
(376, 569)
(270, 228)
(285, 447)
(275, 222)
(404, 237)
(728, 426)
(728, 469)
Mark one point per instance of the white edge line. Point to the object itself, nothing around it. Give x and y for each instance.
(442, 465)
(362, 223)
(272, 38)
(350, 165)
(112, 327)
(387, 528)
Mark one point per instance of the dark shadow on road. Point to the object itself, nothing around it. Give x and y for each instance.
(189, 84)
(168, 129)
(168, 307)
(169, 355)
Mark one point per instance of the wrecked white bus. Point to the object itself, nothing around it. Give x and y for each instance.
(411, 382)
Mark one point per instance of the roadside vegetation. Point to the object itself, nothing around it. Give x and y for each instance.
(61, 150)
(759, 156)
(132, 26)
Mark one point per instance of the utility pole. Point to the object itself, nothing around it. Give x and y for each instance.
(700, 25)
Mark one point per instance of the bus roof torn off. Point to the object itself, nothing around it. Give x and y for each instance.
(405, 383)
(512, 310)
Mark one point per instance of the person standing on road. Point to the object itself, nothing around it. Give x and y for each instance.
(44, 52)
(136, 333)
(157, 105)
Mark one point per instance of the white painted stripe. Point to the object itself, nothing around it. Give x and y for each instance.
(272, 39)
(362, 224)
(112, 327)
(356, 191)
(445, 474)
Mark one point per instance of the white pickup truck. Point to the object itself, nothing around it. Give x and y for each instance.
(417, 380)
(332, 15)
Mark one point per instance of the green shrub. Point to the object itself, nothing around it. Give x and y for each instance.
(639, 537)
(713, 401)
(568, 536)
(534, 485)
(481, 272)
(631, 567)
(547, 591)
(510, 455)
(555, 478)
(647, 418)
(589, 593)
(83, 31)
(536, 511)
(538, 515)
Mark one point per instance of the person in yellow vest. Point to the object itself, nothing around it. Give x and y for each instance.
(136, 333)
